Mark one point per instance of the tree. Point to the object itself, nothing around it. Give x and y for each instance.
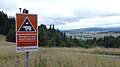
(4, 23)
(11, 36)
(53, 27)
(94, 41)
(42, 35)
(117, 41)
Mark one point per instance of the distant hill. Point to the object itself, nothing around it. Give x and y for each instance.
(94, 29)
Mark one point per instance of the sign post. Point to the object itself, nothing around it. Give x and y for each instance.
(26, 34)
(27, 59)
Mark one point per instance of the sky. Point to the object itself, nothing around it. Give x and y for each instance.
(68, 14)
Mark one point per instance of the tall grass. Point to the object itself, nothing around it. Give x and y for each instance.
(54, 57)
(107, 51)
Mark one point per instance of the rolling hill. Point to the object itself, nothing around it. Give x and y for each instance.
(93, 29)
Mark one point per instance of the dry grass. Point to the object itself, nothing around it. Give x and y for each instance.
(54, 57)
(2, 38)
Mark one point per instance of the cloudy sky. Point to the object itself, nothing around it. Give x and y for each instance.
(68, 14)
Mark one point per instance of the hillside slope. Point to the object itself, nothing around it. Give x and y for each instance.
(3, 42)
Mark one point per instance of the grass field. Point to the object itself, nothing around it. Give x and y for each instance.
(58, 57)
(55, 57)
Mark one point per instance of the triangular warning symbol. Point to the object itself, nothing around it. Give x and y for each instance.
(26, 26)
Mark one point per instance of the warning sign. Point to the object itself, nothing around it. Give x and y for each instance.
(26, 32)
(26, 26)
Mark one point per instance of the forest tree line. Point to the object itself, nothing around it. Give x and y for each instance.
(53, 37)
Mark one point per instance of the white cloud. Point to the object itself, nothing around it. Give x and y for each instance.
(8, 6)
(69, 13)
(93, 22)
